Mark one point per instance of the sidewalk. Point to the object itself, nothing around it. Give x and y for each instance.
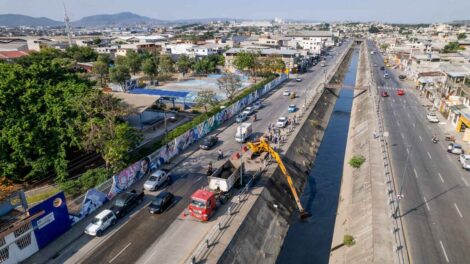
(362, 209)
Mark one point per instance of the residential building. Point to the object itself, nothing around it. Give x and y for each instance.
(312, 41)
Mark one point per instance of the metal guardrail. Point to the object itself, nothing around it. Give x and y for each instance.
(400, 243)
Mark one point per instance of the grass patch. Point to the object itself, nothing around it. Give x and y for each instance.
(356, 161)
(348, 240)
(42, 195)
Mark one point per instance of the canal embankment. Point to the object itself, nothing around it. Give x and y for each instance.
(363, 213)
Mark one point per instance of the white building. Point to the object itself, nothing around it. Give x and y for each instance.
(313, 41)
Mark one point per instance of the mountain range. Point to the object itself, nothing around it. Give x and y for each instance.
(119, 19)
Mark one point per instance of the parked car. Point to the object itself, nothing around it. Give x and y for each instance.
(455, 149)
(401, 77)
(382, 68)
(156, 180)
(432, 117)
(465, 161)
(292, 108)
(126, 201)
(286, 93)
(248, 110)
(208, 142)
(298, 79)
(400, 92)
(282, 121)
(100, 223)
(386, 76)
(257, 105)
(241, 117)
(384, 94)
(161, 202)
(375, 65)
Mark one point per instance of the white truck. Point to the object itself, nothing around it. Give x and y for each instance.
(224, 177)
(244, 131)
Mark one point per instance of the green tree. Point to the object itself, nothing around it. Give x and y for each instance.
(229, 84)
(273, 64)
(81, 54)
(101, 69)
(452, 47)
(133, 61)
(201, 66)
(120, 60)
(374, 29)
(183, 64)
(461, 36)
(245, 61)
(166, 64)
(96, 41)
(205, 98)
(120, 74)
(104, 58)
(384, 46)
(150, 68)
(40, 118)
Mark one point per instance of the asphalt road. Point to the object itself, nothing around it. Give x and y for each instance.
(435, 207)
(134, 234)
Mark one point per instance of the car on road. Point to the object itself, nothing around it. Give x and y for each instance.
(241, 117)
(465, 161)
(208, 142)
(432, 117)
(286, 93)
(157, 180)
(382, 68)
(400, 92)
(375, 65)
(248, 110)
(100, 223)
(323, 64)
(281, 121)
(401, 77)
(298, 79)
(292, 108)
(126, 201)
(455, 149)
(386, 76)
(257, 105)
(161, 202)
(384, 94)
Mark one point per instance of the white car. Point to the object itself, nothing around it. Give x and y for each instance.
(465, 161)
(157, 179)
(455, 148)
(286, 93)
(257, 105)
(282, 121)
(248, 111)
(100, 223)
(298, 79)
(432, 117)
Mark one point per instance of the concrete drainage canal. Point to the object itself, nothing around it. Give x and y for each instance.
(310, 241)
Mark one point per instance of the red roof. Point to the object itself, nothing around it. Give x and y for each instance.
(5, 55)
(202, 194)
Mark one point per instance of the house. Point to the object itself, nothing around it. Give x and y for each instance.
(312, 41)
(12, 55)
(13, 44)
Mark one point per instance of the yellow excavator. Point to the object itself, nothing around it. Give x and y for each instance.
(263, 146)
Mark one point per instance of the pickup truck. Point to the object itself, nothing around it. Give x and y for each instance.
(126, 201)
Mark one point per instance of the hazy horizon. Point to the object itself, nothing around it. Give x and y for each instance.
(399, 11)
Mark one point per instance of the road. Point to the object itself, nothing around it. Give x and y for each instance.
(435, 207)
(134, 234)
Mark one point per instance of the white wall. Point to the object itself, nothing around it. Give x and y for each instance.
(15, 254)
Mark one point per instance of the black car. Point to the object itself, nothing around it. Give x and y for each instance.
(126, 201)
(382, 68)
(161, 202)
(208, 142)
(402, 77)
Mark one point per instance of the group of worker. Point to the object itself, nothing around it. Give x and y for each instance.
(210, 169)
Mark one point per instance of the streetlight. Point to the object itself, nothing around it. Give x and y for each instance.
(400, 195)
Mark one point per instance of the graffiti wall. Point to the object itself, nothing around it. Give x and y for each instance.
(136, 171)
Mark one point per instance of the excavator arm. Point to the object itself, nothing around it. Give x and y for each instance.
(263, 146)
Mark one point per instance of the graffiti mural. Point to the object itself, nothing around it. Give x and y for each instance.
(128, 176)
(93, 200)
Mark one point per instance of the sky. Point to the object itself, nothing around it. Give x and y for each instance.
(399, 11)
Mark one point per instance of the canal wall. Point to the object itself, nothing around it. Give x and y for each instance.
(362, 210)
(260, 236)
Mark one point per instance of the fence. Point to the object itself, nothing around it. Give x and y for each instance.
(391, 190)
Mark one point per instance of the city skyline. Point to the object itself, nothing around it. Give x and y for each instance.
(401, 11)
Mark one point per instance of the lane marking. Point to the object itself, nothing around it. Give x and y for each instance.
(458, 211)
(420, 138)
(408, 151)
(403, 136)
(426, 202)
(444, 250)
(429, 155)
(120, 252)
(416, 174)
(408, 114)
(398, 123)
(414, 125)
(440, 176)
(463, 179)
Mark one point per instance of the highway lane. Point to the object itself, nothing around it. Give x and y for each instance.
(134, 234)
(435, 207)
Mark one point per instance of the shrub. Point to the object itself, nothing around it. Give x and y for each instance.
(356, 161)
(71, 187)
(92, 178)
(348, 240)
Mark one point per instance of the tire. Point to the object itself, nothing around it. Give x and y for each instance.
(113, 222)
(99, 233)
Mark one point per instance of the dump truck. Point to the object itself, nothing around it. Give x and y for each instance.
(204, 202)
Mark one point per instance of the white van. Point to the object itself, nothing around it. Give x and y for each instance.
(100, 223)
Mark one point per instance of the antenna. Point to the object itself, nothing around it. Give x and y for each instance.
(67, 26)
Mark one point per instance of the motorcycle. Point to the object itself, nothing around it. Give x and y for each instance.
(435, 140)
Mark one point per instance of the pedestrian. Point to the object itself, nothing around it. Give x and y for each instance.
(295, 119)
(269, 128)
(275, 139)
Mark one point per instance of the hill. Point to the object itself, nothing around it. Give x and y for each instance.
(14, 20)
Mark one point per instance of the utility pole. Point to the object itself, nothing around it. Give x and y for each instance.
(400, 194)
(67, 26)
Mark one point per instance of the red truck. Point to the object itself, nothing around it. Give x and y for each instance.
(204, 202)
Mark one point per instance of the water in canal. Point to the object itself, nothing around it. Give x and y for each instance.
(310, 241)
